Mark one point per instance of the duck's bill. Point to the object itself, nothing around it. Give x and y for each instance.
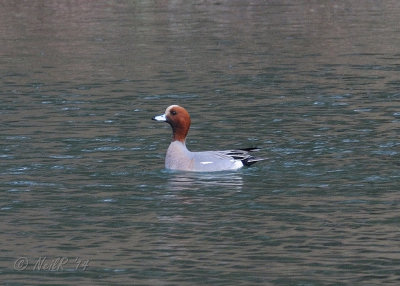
(161, 118)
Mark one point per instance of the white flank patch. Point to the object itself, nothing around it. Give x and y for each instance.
(206, 163)
(238, 164)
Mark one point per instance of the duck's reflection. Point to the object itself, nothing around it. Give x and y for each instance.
(179, 181)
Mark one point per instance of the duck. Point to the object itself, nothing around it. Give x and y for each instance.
(178, 157)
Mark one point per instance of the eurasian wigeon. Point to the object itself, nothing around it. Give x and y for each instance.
(180, 158)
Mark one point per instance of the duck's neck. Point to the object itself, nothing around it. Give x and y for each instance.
(179, 134)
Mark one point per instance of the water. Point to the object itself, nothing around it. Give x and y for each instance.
(85, 198)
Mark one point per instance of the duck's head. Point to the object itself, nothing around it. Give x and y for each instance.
(179, 119)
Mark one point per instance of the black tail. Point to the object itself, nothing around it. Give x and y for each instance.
(244, 156)
(251, 160)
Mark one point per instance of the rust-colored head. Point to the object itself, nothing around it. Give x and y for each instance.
(179, 119)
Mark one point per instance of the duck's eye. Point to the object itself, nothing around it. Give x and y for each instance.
(173, 112)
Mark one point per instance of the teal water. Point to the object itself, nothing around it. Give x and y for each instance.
(86, 199)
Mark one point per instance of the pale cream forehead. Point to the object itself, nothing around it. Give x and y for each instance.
(170, 107)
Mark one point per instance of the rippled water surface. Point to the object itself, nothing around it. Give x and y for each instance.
(85, 196)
